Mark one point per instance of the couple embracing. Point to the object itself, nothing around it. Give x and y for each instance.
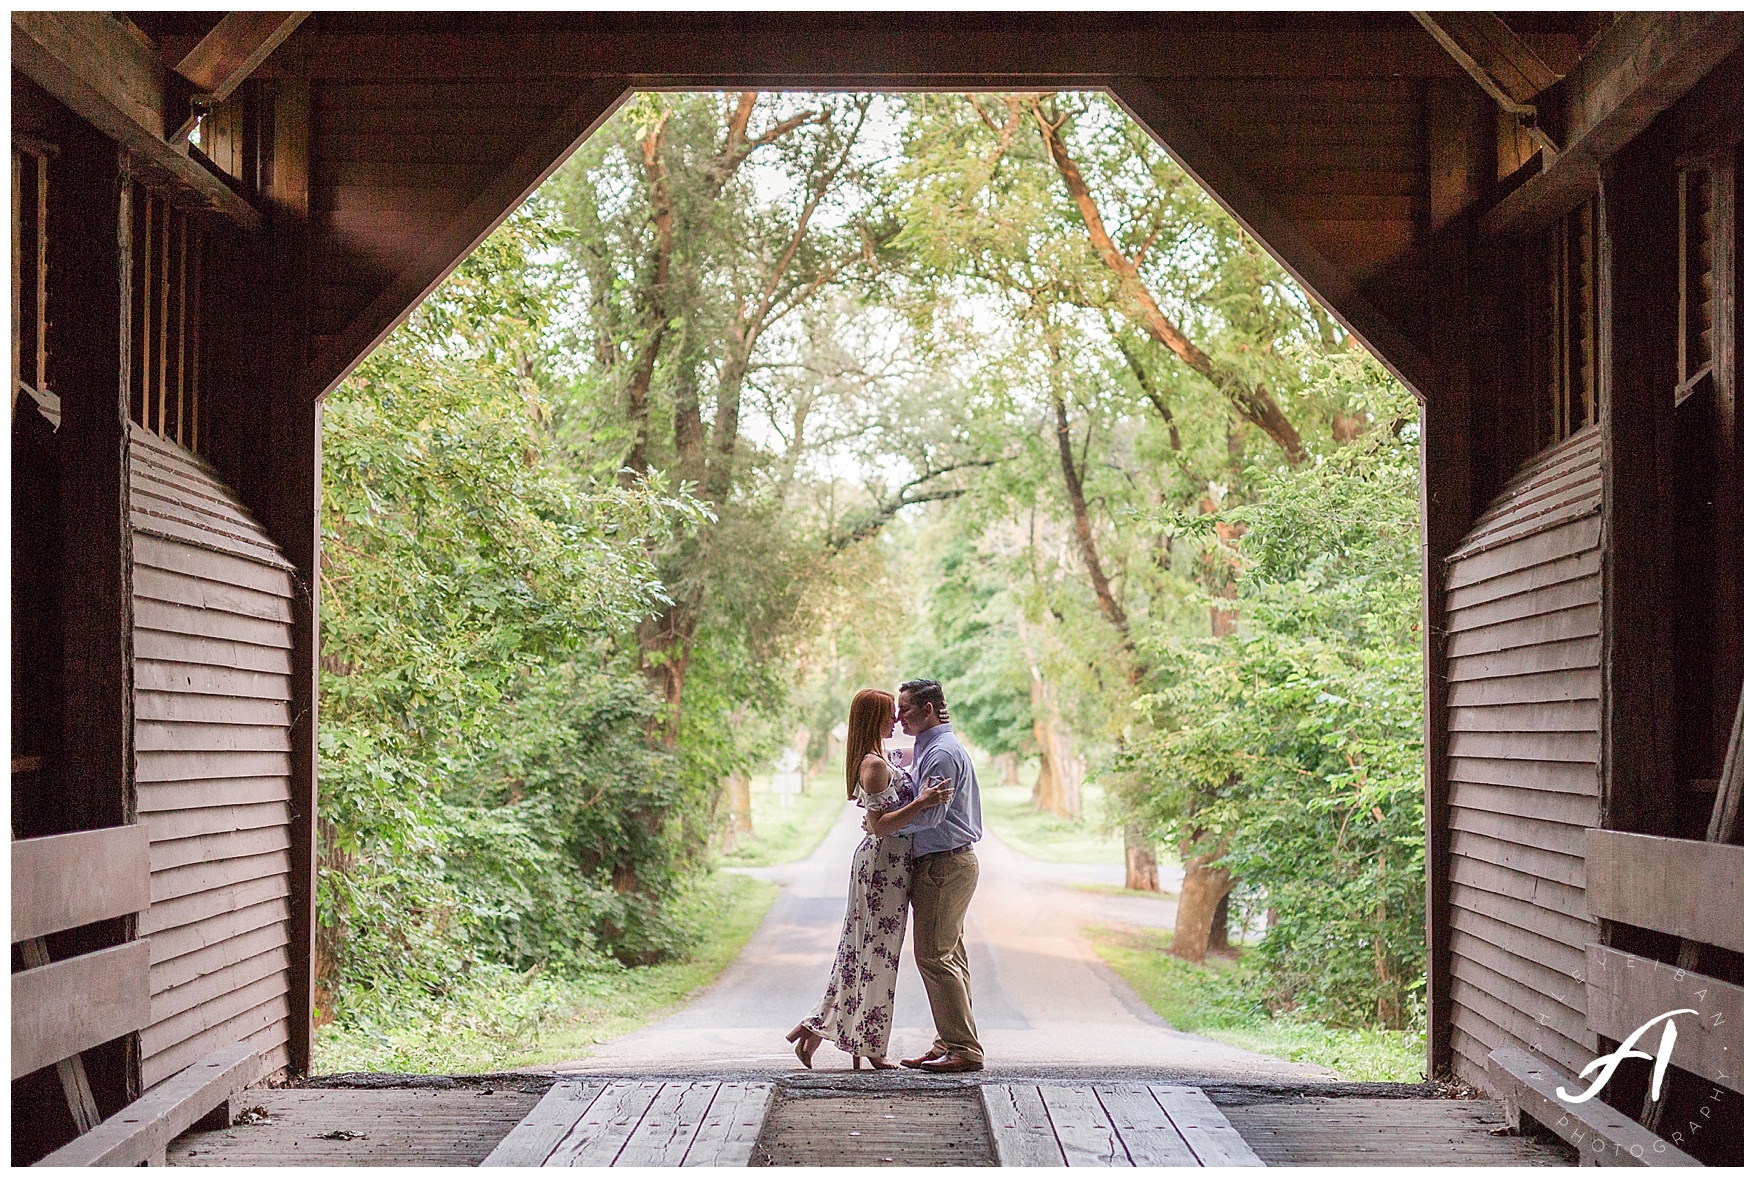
(921, 827)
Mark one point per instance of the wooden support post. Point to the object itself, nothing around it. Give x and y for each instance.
(1638, 265)
(292, 513)
(1461, 171)
(91, 229)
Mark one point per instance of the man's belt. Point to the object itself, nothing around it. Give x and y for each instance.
(952, 851)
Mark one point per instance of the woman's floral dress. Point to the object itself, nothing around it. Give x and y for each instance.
(856, 1009)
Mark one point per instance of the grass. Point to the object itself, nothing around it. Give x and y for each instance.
(504, 1019)
(785, 833)
(1207, 1000)
(1130, 893)
(1007, 811)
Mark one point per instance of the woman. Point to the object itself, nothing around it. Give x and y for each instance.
(856, 1008)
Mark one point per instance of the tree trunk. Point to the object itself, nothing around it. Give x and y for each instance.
(736, 802)
(1007, 766)
(1142, 864)
(1059, 784)
(1087, 542)
(1203, 887)
(1220, 940)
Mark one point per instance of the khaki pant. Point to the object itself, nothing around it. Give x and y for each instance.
(940, 893)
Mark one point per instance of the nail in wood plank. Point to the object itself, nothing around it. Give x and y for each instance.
(733, 1122)
(1018, 1122)
(1086, 1136)
(535, 1137)
(598, 1136)
(1145, 1128)
(1204, 1127)
(669, 1125)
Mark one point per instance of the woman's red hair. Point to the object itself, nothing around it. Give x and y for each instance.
(868, 722)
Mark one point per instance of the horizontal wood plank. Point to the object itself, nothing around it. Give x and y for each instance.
(1593, 1128)
(1568, 539)
(262, 1029)
(64, 881)
(218, 847)
(1625, 991)
(139, 1133)
(199, 593)
(65, 1007)
(1514, 1025)
(196, 678)
(1490, 876)
(1534, 962)
(1577, 748)
(169, 556)
(1537, 630)
(162, 797)
(1533, 861)
(166, 826)
(203, 905)
(1521, 829)
(1580, 810)
(175, 882)
(1552, 716)
(216, 1012)
(240, 943)
(179, 619)
(1689, 889)
(1517, 581)
(1553, 686)
(152, 736)
(1583, 591)
(1532, 918)
(192, 708)
(1571, 655)
(177, 1000)
(178, 647)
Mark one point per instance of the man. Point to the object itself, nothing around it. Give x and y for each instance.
(945, 873)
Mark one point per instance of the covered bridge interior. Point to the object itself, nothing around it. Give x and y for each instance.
(1533, 219)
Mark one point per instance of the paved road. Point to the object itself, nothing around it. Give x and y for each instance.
(1044, 1001)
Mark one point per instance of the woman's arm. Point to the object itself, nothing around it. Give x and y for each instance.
(890, 821)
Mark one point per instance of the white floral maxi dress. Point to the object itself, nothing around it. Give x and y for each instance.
(856, 1008)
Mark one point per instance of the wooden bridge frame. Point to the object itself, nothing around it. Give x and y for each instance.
(1418, 173)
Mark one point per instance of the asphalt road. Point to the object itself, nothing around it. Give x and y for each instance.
(1044, 1002)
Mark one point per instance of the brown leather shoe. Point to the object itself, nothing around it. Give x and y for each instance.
(921, 1060)
(949, 1062)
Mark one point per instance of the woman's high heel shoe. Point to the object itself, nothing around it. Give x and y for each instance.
(804, 1044)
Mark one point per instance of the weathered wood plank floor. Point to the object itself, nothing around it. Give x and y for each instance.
(885, 1128)
(638, 1123)
(351, 1127)
(1327, 1131)
(1110, 1125)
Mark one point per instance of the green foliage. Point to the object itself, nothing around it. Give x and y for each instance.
(1222, 1001)
(478, 747)
(1295, 742)
(502, 1018)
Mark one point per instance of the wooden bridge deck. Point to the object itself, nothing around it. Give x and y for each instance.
(865, 1122)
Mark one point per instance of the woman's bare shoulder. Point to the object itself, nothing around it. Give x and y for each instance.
(874, 773)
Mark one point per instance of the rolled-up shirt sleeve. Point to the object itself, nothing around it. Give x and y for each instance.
(937, 763)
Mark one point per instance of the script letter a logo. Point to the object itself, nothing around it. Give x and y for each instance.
(1608, 1063)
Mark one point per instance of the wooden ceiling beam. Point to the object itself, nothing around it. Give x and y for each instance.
(491, 204)
(1509, 71)
(221, 61)
(106, 72)
(1320, 277)
(1006, 51)
(1636, 69)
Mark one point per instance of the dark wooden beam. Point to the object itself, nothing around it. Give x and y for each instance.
(1637, 68)
(772, 50)
(91, 247)
(221, 61)
(492, 204)
(1510, 71)
(1214, 171)
(109, 75)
